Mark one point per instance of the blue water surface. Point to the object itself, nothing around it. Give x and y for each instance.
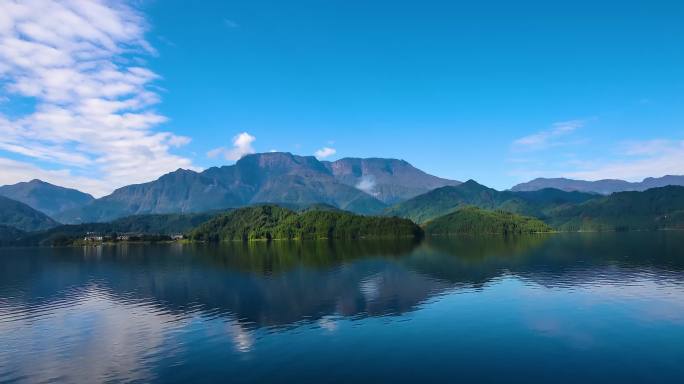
(537, 309)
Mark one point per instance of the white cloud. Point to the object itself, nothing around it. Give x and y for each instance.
(242, 145)
(651, 158)
(547, 138)
(367, 184)
(94, 116)
(325, 152)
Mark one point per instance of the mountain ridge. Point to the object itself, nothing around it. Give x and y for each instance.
(20, 216)
(45, 197)
(278, 177)
(603, 187)
(444, 200)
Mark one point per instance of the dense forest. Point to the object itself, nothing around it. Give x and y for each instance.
(270, 222)
(540, 204)
(473, 220)
(656, 208)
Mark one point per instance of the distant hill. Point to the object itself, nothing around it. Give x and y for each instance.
(389, 180)
(19, 215)
(473, 220)
(269, 222)
(154, 224)
(657, 208)
(604, 187)
(45, 197)
(355, 185)
(444, 200)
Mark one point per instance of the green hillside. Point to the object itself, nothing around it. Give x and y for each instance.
(269, 222)
(473, 220)
(436, 203)
(657, 208)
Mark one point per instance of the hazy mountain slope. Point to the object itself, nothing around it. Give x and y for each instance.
(389, 180)
(604, 187)
(45, 197)
(19, 215)
(259, 178)
(181, 191)
(656, 208)
(9, 234)
(447, 199)
(158, 224)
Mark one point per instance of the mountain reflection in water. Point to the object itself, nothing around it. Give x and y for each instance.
(134, 312)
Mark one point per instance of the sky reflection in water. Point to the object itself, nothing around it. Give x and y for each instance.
(564, 308)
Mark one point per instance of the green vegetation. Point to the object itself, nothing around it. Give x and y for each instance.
(269, 222)
(473, 220)
(438, 202)
(657, 208)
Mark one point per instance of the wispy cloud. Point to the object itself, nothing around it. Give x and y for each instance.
(639, 159)
(230, 23)
(325, 152)
(242, 145)
(367, 184)
(547, 138)
(94, 116)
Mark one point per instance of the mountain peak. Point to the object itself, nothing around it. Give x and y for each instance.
(47, 198)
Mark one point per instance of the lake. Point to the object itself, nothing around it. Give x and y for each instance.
(555, 308)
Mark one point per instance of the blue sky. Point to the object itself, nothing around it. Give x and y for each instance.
(497, 91)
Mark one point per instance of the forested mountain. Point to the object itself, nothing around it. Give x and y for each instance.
(269, 222)
(20, 216)
(473, 220)
(45, 197)
(355, 185)
(447, 199)
(389, 180)
(604, 187)
(657, 208)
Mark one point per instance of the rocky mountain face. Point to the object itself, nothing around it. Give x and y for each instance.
(388, 180)
(18, 215)
(357, 185)
(603, 187)
(45, 197)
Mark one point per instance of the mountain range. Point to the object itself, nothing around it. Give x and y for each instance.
(358, 185)
(45, 197)
(441, 201)
(603, 187)
(655, 208)
(377, 186)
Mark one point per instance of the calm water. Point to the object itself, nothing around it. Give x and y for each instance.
(563, 308)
